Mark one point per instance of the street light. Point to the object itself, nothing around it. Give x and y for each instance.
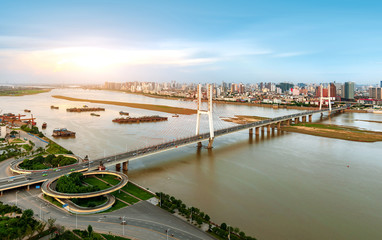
(40, 212)
(76, 220)
(16, 197)
(167, 233)
(123, 226)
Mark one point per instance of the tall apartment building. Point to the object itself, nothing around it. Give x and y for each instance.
(349, 90)
(375, 93)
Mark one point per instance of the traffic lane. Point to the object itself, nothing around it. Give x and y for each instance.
(30, 200)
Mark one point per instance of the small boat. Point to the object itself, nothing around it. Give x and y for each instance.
(63, 132)
(27, 110)
(85, 106)
(53, 107)
(175, 115)
(95, 114)
(44, 125)
(124, 113)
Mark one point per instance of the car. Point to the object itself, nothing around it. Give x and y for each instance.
(57, 169)
(72, 169)
(108, 160)
(44, 172)
(45, 175)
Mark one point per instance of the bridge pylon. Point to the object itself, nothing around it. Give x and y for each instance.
(207, 112)
(325, 98)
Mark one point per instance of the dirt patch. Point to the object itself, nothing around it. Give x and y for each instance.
(158, 108)
(243, 119)
(335, 131)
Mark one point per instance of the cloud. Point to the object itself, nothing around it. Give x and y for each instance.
(289, 54)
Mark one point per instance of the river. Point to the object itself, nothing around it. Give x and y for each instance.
(285, 186)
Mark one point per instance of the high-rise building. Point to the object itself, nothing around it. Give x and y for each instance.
(375, 93)
(381, 84)
(349, 90)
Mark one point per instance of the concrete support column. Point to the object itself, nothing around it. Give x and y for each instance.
(118, 167)
(268, 128)
(1, 193)
(257, 131)
(125, 165)
(262, 130)
(210, 142)
(251, 131)
(28, 187)
(200, 144)
(303, 118)
(310, 118)
(278, 126)
(296, 120)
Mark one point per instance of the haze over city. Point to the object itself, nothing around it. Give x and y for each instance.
(249, 41)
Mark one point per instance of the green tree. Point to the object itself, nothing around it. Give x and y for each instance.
(223, 226)
(90, 230)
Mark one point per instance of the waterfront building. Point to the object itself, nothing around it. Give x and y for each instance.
(349, 90)
(375, 93)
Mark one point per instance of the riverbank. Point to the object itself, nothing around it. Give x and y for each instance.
(152, 107)
(243, 119)
(335, 131)
(22, 92)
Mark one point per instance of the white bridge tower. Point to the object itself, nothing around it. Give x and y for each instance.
(208, 112)
(325, 98)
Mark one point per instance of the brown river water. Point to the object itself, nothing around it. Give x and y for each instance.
(282, 186)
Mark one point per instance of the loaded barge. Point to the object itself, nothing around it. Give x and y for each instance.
(85, 109)
(140, 119)
(63, 132)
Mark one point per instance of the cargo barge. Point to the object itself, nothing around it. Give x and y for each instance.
(95, 114)
(53, 107)
(44, 125)
(123, 113)
(27, 110)
(85, 109)
(140, 119)
(63, 132)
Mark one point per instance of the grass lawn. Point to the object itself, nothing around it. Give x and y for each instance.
(136, 191)
(96, 182)
(52, 200)
(113, 180)
(90, 202)
(54, 148)
(117, 205)
(125, 197)
(111, 237)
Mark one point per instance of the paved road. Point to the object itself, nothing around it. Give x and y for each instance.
(144, 220)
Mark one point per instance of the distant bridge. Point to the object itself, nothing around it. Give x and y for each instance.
(124, 158)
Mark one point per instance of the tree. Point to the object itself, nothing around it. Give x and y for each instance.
(51, 222)
(90, 230)
(27, 213)
(223, 226)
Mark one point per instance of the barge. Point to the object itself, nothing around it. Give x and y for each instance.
(123, 113)
(140, 119)
(27, 110)
(95, 114)
(63, 132)
(53, 107)
(44, 125)
(85, 109)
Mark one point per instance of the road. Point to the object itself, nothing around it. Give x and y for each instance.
(143, 220)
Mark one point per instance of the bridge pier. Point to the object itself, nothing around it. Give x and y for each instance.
(303, 119)
(296, 120)
(257, 131)
(251, 131)
(262, 130)
(210, 142)
(118, 167)
(310, 118)
(268, 128)
(200, 144)
(28, 187)
(279, 126)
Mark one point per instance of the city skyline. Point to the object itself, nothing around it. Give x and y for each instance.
(92, 42)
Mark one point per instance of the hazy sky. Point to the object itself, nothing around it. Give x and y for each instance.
(93, 41)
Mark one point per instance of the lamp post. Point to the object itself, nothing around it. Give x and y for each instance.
(16, 197)
(76, 221)
(167, 233)
(40, 212)
(123, 226)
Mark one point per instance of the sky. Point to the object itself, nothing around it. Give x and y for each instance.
(93, 41)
